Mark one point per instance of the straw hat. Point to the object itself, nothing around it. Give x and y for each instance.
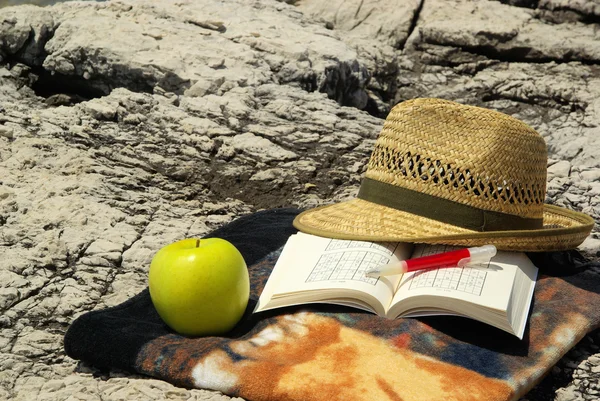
(443, 172)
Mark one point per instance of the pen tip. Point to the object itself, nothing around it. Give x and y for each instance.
(373, 273)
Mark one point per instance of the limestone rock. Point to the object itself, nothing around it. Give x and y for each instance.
(520, 36)
(582, 7)
(247, 50)
(261, 148)
(25, 30)
(374, 29)
(559, 169)
(389, 21)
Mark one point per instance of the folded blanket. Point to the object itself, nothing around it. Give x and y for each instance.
(326, 352)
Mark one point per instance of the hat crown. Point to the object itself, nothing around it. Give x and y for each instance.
(466, 154)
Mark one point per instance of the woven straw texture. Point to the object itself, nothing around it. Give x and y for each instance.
(465, 154)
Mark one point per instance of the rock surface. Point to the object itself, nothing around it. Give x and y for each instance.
(127, 125)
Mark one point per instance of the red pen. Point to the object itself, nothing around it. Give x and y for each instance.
(458, 258)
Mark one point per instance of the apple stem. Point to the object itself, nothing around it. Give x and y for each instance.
(197, 243)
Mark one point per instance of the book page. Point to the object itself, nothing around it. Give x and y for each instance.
(314, 266)
(523, 287)
(489, 285)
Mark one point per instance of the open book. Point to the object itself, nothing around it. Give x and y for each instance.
(314, 269)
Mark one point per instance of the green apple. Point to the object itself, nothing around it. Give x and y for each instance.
(199, 286)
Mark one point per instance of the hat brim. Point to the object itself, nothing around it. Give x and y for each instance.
(358, 219)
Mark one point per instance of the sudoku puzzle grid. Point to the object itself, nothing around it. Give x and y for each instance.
(349, 265)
